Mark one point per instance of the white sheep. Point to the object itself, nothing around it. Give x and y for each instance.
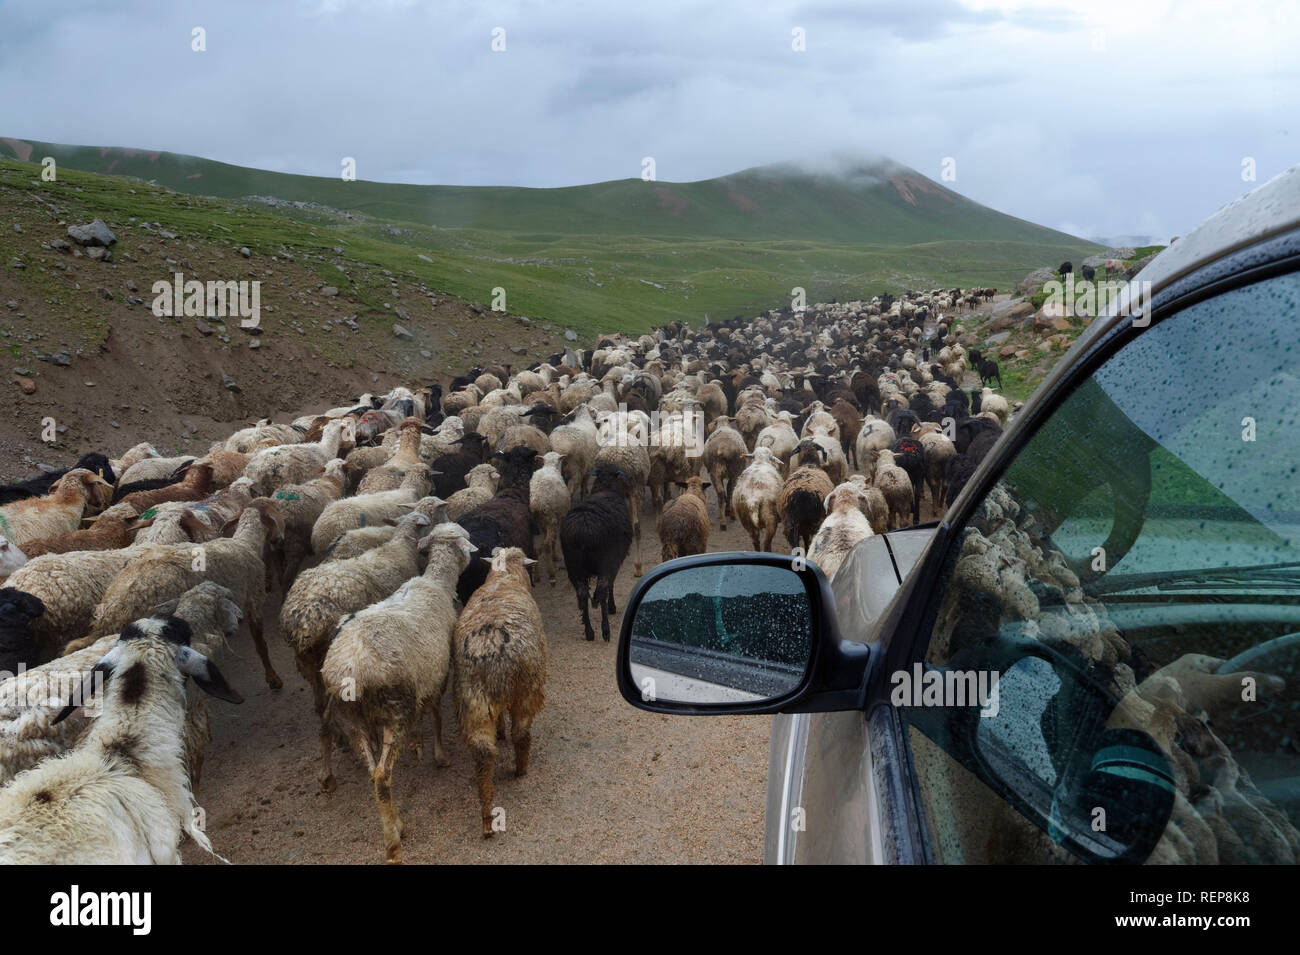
(754, 499)
(122, 796)
(844, 527)
(387, 664)
(549, 501)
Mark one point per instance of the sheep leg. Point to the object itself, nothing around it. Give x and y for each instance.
(383, 778)
(255, 628)
(767, 537)
(636, 532)
(548, 550)
(501, 725)
(609, 596)
(582, 606)
(440, 757)
(484, 766)
(604, 599)
(521, 724)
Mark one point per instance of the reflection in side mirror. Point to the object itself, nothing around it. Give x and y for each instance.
(722, 633)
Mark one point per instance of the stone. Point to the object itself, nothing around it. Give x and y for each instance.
(1009, 314)
(96, 233)
(27, 385)
(1007, 351)
(254, 343)
(245, 253)
(229, 384)
(62, 359)
(997, 339)
(570, 335)
(402, 333)
(517, 349)
(99, 253)
(1035, 280)
(60, 245)
(202, 328)
(131, 286)
(329, 291)
(425, 353)
(16, 263)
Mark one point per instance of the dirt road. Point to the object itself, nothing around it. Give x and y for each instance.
(608, 783)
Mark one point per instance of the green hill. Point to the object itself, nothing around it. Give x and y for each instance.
(627, 254)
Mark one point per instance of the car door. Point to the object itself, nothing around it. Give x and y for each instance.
(1127, 580)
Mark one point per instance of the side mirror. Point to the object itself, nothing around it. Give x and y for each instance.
(737, 633)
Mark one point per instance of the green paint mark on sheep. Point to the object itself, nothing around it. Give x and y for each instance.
(286, 496)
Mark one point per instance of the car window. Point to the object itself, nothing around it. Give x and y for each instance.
(1128, 596)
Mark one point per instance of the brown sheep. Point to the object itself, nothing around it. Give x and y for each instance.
(195, 486)
(801, 506)
(112, 530)
(684, 523)
(499, 647)
(59, 512)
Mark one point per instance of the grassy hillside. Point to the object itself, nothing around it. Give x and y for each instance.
(622, 255)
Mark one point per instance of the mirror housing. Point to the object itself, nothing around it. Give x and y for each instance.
(834, 674)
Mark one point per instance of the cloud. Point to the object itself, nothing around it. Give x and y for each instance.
(1121, 117)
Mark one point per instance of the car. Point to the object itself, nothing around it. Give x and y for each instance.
(1092, 656)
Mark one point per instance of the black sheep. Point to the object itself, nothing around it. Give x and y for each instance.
(503, 521)
(595, 537)
(968, 429)
(988, 370)
(958, 473)
(1066, 268)
(452, 468)
(1088, 273)
(909, 454)
(902, 420)
(983, 443)
(152, 484)
(17, 642)
(40, 485)
(433, 415)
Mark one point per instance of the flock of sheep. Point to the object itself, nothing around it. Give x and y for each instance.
(401, 531)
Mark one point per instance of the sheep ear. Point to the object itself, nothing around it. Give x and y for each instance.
(206, 675)
(101, 672)
(496, 550)
(167, 608)
(680, 483)
(706, 484)
(528, 562)
(229, 528)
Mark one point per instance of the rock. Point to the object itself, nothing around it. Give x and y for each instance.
(254, 343)
(62, 359)
(425, 353)
(96, 233)
(453, 333)
(420, 255)
(99, 253)
(1046, 323)
(997, 339)
(27, 385)
(1035, 280)
(517, 349)
(229, 384)
(245, 253)
(131, 286)
(476, 307)
(18, 228)
(166, 235)
(89, 384)
(401, 314)
(1009, 314)
(329, 291)
(115, 424)
(60, 245)
(570, 335)
(17, 263)
(1007, 351)
(402, 333)
(202, 328)
(11, 305)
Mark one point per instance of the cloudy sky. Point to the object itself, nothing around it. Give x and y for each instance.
(1098, 117)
